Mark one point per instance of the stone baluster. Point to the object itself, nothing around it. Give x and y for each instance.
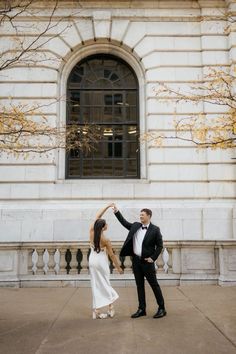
(63, 263)
(73, 263)
(57, 257)
(128, 265)
(68, 257)
(40, 264)
(29, 261)
(45, 261)
(51, 262)
(84, 261)
(79, 258)
(159, 264)
(170, 261)
(165, 257)
(34, 259)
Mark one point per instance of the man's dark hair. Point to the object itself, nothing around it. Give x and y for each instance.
(147, 211)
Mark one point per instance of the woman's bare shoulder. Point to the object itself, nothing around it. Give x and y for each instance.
(105, 240)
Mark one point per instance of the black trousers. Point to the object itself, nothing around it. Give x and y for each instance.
(143, 269)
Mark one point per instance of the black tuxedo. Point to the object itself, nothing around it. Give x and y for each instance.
(152, 243)
(151, 247)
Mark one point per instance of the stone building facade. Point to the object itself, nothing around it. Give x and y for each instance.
(191, 192)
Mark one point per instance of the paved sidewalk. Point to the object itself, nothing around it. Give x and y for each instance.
(200, 320)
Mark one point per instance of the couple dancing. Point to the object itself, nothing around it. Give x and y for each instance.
(143, 243)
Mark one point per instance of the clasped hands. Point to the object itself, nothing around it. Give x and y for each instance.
(114, 207)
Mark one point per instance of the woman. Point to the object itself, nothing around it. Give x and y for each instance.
(103, 293)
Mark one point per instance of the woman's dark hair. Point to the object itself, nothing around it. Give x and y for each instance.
(98, 226)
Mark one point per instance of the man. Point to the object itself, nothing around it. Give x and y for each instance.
(144, 244)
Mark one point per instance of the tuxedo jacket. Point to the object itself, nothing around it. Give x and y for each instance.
(152, 242)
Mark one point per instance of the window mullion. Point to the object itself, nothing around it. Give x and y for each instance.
(105, 87)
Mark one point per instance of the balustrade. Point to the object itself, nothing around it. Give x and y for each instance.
(66, 263)
(73, 260)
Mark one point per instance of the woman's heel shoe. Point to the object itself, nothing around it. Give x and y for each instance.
(111, 311)
(97, 315)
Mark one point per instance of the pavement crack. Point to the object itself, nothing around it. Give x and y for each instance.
(38, 351)
(206, 317)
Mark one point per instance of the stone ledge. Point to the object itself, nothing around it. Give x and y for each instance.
(61, 264)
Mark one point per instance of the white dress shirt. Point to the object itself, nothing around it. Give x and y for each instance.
(138, 240)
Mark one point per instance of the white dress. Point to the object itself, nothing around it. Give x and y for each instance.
(102, 291)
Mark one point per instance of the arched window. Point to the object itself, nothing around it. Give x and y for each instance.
(102, 90)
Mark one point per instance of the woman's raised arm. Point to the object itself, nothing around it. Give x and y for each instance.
(102, 211)
(100, 214)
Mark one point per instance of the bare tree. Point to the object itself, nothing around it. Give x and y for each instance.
(23, 131)
(24, 128)
(203, 129)
(217, 89)
(24, 49)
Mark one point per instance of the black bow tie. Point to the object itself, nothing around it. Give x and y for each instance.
(144, 227)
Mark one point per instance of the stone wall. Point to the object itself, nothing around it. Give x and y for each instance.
(192, 193)
(60, 221)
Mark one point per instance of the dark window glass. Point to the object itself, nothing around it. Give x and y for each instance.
(103, 91)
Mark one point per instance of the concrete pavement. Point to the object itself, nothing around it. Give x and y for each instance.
(200, 320)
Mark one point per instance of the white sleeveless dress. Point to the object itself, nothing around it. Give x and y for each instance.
(102, 291)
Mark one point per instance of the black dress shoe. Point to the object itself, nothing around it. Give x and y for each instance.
(160, 313)
(139, 313)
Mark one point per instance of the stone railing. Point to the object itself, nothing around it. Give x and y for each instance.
(66, 263)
